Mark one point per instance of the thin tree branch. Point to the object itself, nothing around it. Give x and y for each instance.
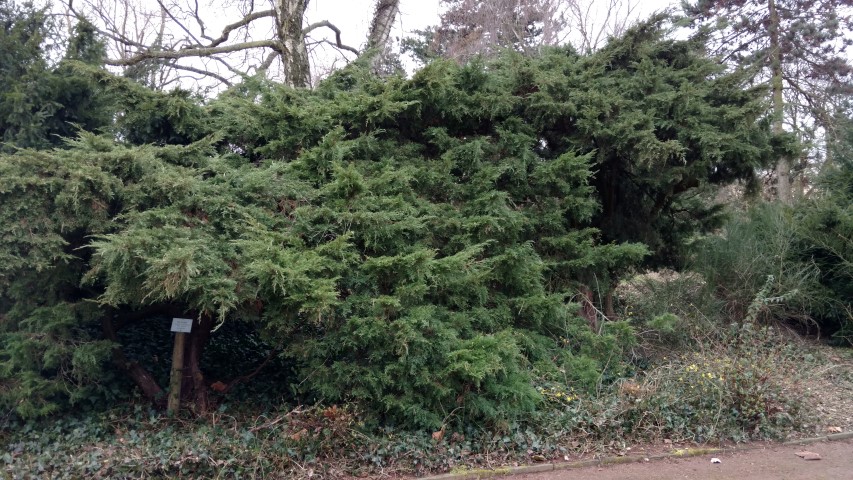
(242, 23)
(200, 71)
(263, 67)
(185, 29)
(223, 389)
(332, 27)
(199, 21)
(343, 47)
(190, 52)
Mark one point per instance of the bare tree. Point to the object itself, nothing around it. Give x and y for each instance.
(593, 22)
(482, 27)
(178, 36)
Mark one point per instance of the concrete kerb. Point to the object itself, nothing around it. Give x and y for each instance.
(679, 453)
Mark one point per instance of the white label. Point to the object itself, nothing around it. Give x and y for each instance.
(184, 325)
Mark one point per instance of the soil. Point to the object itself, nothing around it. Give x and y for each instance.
(769, 463)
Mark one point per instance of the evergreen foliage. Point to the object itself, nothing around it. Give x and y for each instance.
(43, 101)
(414, 246)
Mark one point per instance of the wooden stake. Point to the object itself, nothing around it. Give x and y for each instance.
(177, 374)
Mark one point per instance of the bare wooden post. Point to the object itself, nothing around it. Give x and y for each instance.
(181, 326)
(177, 373)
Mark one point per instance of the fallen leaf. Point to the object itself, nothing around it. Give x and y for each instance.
(298, 435)
(332, 412)
(807, 455)
(834, 429)
(219, 386)
(667, 441)
(538, 458)
(438, 435)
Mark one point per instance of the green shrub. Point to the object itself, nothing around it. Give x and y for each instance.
(411, 246)
(758, 251)
(824, 229)
(671, 309)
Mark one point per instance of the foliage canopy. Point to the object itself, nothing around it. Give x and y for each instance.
(415, 246)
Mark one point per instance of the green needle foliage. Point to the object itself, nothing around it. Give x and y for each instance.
(43, 100)
(413, 246)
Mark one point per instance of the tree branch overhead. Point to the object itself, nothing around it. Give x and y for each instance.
(184, 35)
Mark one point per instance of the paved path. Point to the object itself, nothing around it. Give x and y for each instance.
(774, 463)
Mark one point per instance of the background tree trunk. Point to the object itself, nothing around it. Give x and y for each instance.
(294, 55)
(383, 22)
(587, 311)
(783, 165)
(380, 30)
(194, 390)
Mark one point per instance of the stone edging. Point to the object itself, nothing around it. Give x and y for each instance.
(679, 453)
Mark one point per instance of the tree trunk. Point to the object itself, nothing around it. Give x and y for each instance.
(829, 140)
(783, 165)
(383, 21)
(294, 55)
(609, 311)
(194, 390)
(140, 376)
(588, 308)
(380, 30)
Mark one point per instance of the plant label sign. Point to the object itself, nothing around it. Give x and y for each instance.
(183, 325)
